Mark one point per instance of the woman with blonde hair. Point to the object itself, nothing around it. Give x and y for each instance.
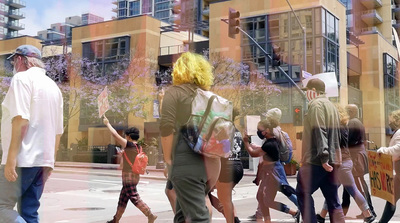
(191, 174)
(344, 174)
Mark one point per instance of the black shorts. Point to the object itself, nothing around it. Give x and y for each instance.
(231, 171)
(169, 185)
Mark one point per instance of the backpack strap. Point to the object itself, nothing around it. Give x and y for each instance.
(207, 111)
(126, 156)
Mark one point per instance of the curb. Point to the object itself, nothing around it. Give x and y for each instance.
(150, 169)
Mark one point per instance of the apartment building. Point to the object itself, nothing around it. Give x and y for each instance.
(10, 14)
(59, 32)
(162, 10)
(351, 38)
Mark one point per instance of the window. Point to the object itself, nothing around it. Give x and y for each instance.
(122, 13)
(134, 8)
(147, 6)
(391, 87)
(107, 51)
(256, 28)
(330, 62)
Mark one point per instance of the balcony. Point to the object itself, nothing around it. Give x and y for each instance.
(115, 2)
(371, 4)
(397, 25)
(17, 3)
(371, 17)
(114, 9)
(16, 14)
(206, 12)
(396, 10)
(369, 30)
(15, 25)
(354, 65)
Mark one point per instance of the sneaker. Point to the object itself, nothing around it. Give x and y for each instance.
(360, 216)
(237, 220)
(253, 217)
(297, 217)
(369, 219)
(152, 218)
(320, 219)
(111, 221)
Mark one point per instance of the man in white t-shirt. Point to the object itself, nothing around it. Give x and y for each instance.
(31, 127)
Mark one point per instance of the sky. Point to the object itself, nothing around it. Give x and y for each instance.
(41, 13)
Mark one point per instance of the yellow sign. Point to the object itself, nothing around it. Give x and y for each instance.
(381, 176)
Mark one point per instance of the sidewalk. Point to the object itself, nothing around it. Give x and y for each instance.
(152, 171)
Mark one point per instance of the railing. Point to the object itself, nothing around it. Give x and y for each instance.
(18, 2)
(168, 50)
(17, 13)
(372, 29)
(16, 24)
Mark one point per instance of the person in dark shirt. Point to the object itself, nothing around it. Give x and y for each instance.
(230, 175)
(359, 158)
(345, 175)
(129, 179)
(273, 173)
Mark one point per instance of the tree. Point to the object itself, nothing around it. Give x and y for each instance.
(248, 88)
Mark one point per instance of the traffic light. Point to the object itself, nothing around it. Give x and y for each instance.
(276, 57)
(234, 23)
(297, 115)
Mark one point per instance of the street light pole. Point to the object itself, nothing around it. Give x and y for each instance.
(160, 164)
(303, 28)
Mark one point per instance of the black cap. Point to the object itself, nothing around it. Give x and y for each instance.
(316, 83)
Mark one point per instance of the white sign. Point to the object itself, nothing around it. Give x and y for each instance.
(251, 124)
(306, 74)
(331, 84)
(102, 102)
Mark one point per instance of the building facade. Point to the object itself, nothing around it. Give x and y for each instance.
(10, 14)
(354, 39)
(162, 10)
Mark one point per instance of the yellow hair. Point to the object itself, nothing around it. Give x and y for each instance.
(343, 115)
(395, 115)
(194, 69)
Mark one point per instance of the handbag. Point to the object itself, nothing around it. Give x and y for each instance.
(140, 164)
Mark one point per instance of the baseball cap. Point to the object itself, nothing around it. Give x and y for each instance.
(316, 83)
(26, 50)
(274, 113)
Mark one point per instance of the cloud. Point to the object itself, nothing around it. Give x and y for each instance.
(41, 14)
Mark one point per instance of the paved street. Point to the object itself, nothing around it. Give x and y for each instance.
(83, 195)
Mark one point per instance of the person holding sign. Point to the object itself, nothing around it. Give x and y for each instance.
(129, 179)
(394, 150)
(273, 176)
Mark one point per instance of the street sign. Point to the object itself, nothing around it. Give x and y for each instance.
(102, 102)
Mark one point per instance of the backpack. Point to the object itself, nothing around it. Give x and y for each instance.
(209, 130)
(140, 164)
(284, 145)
